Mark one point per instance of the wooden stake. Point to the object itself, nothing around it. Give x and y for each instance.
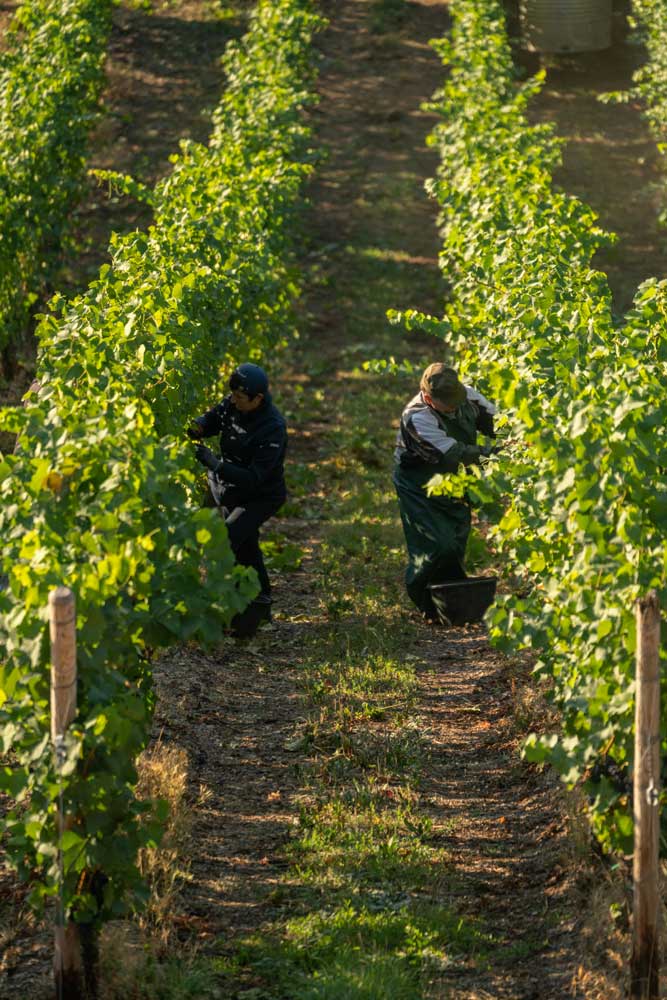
(62, 619)
(645, 956)
(67, 964)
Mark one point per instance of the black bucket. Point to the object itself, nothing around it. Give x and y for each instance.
(463, 601)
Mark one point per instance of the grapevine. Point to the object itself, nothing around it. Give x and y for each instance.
(51, 78)
(101, 495)
(579, 497)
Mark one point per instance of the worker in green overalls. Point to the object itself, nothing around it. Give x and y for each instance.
(438, 434)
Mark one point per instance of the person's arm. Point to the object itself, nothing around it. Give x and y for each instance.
(210, 423)
(485, 412)
(461, 454)
(445, 452)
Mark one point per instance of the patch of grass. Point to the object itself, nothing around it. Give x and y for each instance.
(352, 756)
(302, 478)
(362, 568)
(357, 844)
(522, 948)
(364, 688)
(353, 953)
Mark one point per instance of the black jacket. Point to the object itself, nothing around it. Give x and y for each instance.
(252, 447)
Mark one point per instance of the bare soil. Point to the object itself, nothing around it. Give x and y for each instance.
(7, 8)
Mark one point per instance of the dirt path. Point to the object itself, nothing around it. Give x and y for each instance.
(233, 711)
(512, 864)
(513, 861)
(610, 159)
(250, 693)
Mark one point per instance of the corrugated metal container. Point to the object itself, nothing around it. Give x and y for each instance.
(566, 25)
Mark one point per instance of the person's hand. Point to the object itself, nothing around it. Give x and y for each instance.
(207, 457)
(490, 449)
(194, 431)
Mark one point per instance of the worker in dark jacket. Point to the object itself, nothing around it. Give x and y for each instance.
(437, 435)
(247, 479)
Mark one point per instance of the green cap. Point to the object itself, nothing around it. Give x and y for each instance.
(442, 383)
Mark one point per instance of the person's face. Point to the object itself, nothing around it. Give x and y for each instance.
(437, 405)
(245, 403)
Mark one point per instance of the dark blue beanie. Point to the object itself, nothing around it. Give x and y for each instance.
(250, 379)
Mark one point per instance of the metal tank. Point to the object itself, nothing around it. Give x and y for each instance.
(566, 25)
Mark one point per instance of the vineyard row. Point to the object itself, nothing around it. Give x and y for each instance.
(51, 78)
(578, 499)
(102, 494)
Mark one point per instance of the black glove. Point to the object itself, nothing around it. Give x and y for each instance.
(207, 457)
(490, 449)
(195, 431)
(470, 455)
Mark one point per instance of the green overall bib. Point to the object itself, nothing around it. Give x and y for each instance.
(436, 528)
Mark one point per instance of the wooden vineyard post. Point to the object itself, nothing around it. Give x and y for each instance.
(645, 955)
(67, 965)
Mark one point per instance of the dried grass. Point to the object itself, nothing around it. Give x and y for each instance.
(142, 959)
(132, 969)
(605, 942)
(163, 774)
